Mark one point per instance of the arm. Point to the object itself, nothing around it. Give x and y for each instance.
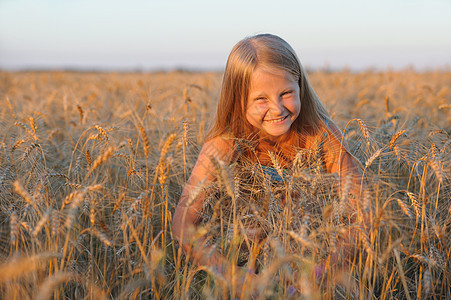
(340, 161)
(352, 189)
(186, 214)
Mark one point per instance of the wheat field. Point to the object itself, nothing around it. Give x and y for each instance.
(92, 166)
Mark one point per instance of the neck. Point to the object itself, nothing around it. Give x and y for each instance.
(286, 138)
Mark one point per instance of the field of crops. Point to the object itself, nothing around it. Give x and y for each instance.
(92, 166)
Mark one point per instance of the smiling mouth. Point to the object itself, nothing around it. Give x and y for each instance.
(277, 120)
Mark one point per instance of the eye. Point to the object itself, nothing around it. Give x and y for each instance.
(289, 92)
(260, 99)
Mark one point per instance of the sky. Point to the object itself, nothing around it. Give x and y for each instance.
(198, 35)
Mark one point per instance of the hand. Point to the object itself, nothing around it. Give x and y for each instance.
(245, 282)
(255, 234)
(320, 273)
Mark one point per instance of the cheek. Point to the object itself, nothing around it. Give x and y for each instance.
(295, 109)
(251, 117)
(297, 106)
(256, 111)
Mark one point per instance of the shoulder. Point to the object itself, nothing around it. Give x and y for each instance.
(327, 133)
(336, 151)
(333, 128)
(220, 148)
(335, 136)
(216, 149)
(332, 138)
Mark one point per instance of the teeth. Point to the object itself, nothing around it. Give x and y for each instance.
(276, 120)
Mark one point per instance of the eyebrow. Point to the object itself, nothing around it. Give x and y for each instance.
(260, 94)
(263, 94)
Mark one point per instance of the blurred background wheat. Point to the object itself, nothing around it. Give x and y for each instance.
(92, 166)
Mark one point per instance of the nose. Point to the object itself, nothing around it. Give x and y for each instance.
(276, 107)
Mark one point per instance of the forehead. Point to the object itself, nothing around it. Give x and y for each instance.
(266, 77)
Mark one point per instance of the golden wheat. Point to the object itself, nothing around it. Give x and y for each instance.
(89, 183)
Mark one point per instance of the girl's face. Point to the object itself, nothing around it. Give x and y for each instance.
(273, 102)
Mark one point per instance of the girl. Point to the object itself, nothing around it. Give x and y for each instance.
(267, 113)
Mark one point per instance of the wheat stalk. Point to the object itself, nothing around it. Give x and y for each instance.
(47, 287)
(414, 201)
(304, 241)
(16, 145)
(18, 267)
(102, 237)
(276, 164)
(33, 127)
(395, 137)
(145, 141)
(81, 113)
(100, 160)
(365, 132)
(77, 199)
(11, 108)
(26, 196)
(184, 143)
(436, 166)
(41, 223)
(129, 141)
(29, 149)
(387, 104)
(102, 132)
(27, 129)
(375, 155)
(55, 222)
(88, 157)
(404, 208)
(13, 227)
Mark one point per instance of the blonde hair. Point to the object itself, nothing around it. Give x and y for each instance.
(264, 50)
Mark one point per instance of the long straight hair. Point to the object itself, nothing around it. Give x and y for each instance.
(263, 50)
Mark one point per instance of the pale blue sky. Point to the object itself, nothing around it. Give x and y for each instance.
(149, 35)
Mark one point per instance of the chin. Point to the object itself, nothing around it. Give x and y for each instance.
(277, 134)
